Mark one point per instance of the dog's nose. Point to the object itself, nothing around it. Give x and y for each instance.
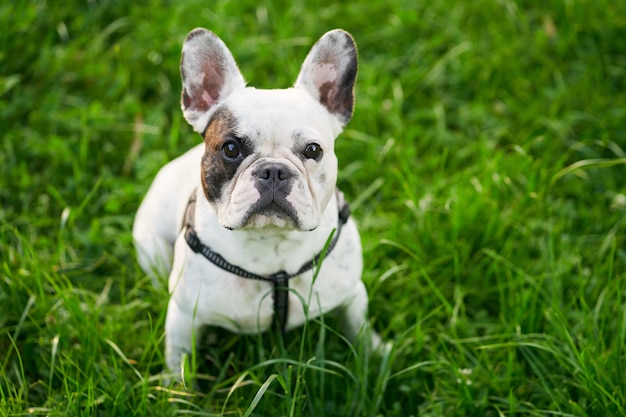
(272, 172)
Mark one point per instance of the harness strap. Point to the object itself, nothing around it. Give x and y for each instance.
(280, 280)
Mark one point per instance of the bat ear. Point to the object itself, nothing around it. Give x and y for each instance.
(209, 73)
(329, 72)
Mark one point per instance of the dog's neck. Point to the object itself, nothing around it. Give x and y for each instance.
(264, 250)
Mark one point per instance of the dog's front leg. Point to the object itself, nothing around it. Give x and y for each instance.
(180, 329)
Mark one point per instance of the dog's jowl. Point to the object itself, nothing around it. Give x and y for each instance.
(239, 222)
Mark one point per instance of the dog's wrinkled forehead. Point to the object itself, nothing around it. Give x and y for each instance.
(277, 117)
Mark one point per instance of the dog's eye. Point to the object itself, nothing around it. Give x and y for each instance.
(231, 149)
(313, 151)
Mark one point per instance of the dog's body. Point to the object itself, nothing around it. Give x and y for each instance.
(265, 197)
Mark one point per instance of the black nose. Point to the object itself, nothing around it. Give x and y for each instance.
(272, 172)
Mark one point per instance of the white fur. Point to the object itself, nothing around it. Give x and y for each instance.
(202, 294)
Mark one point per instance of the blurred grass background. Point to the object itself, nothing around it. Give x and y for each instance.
(485, 163)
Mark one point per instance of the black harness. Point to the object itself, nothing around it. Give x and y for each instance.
(280, 279)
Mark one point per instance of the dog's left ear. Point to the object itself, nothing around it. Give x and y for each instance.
(329, 72)
(209, 74)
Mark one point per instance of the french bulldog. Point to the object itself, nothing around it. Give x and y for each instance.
(249, 225)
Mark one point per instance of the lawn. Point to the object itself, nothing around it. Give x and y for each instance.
(485, 165)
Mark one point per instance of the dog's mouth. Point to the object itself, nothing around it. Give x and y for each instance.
(271, 213)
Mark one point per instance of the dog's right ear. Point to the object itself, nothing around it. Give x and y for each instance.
(209, 73)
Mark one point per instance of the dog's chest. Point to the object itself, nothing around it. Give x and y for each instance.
(245, 305)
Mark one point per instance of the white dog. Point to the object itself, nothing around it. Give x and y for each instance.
(247, 215)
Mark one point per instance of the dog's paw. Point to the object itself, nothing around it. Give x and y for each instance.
(378, 346)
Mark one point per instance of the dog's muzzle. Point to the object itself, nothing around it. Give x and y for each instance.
(274, 182)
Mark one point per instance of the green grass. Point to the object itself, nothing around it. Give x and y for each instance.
(486, 165)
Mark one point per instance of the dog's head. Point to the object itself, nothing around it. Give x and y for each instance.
(269, 159)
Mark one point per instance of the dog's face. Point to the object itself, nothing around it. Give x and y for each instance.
(269, 159)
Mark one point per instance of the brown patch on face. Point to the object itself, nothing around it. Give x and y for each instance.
(221, 125)
(217, 169)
